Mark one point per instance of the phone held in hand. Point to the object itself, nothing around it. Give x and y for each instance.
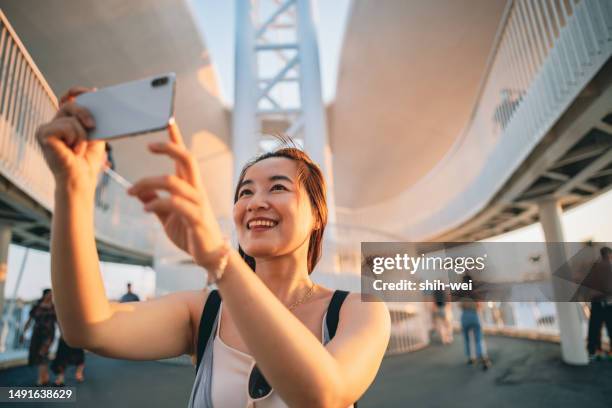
(131, 108)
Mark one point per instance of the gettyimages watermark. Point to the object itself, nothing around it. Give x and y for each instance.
(486, 271)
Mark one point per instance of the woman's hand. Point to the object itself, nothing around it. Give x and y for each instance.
(73, 160)
(186, 213)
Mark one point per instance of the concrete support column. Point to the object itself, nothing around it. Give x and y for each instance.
(5, 241)
(573, 348)
(245, 126)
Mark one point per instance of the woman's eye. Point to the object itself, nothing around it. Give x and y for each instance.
(244, 191)
(278, 185)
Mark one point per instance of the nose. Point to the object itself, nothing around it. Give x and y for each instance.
(257, 201)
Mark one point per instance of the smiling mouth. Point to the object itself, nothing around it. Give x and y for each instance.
(261, 225)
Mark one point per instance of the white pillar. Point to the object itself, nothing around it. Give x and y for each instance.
(5, 241)
(573, 348)
(316, 143)
(245, 126)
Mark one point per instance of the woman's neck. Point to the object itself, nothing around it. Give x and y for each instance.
(286, 276)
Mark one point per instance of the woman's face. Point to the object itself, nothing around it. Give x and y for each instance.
(272, 215)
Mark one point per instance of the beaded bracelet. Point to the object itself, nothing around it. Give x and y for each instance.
(215, 275)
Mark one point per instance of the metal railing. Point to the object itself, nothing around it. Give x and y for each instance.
(531, 320)
(410, 321)
(26, 102)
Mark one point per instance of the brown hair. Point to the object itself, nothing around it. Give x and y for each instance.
(311, 178)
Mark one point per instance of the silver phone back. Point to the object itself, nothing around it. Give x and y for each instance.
(131, 108)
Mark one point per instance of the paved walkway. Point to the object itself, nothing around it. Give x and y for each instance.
(525, 374)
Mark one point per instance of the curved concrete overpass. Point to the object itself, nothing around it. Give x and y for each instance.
(443, 106)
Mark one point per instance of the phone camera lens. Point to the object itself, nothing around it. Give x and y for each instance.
(159, 82)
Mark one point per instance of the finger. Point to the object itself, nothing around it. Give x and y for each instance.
(80, 148)
(146, 197)
(79, 112)
(58, 147)
(74, 92)
(59, 129)
(177, 205)
(171, 184)
(79, 131)
(185, 164)
(175, 132)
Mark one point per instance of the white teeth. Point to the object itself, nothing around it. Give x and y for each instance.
(264, 223)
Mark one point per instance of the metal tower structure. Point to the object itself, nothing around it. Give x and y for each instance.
(278, 83)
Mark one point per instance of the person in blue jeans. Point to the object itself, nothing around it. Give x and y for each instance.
(471, 328)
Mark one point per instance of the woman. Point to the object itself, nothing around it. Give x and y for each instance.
(64, 357)
(272, 317)
(441, 316)
(471, 328)
(44, 318)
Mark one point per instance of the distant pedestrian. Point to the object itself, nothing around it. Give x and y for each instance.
(601, 306)
(129, 296)
(64, 357)
(441, 316)
(471, 328)
(43, 333)
(109, 164)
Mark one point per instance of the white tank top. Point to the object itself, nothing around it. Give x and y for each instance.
(230, 373)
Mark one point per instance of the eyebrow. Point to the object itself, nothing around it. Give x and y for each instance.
(272, 178)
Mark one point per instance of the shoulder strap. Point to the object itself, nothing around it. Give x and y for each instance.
(333, 316)
(333, 311)
(211, 308)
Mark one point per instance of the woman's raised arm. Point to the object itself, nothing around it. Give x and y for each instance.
(147, 330)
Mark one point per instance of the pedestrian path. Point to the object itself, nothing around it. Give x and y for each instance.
(524, 374)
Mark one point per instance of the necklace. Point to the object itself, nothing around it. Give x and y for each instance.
(303, 299)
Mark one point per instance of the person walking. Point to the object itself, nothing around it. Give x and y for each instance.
(601, 306)
(441, 316)
(43, 334)
(472, 329)
(64, 357)
(129, 296)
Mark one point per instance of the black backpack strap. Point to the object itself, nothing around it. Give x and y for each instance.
(333, 312)
(209, 314)
(333, 315)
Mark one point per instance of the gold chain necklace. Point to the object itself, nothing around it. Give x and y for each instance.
(304, 298)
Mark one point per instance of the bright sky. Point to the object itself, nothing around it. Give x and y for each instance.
(590, 222)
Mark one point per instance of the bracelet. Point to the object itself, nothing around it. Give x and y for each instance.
(215, 275)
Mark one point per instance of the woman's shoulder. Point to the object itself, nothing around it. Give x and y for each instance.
(366, 306)
(362, 316)
(361, 307)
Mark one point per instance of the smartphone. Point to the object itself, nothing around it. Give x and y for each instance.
(131, 108)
